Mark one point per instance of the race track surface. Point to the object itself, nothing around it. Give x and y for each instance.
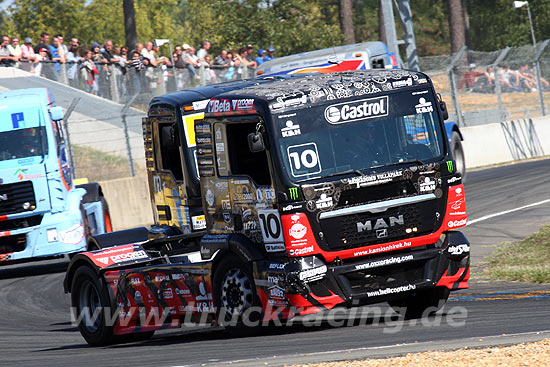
(35, 326)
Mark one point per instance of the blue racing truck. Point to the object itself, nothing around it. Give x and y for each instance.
(42, 212)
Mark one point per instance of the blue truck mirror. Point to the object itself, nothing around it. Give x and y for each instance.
(56, 113)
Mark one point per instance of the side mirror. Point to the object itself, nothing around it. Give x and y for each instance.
(56, 113)
(444, 111)
(256, 142)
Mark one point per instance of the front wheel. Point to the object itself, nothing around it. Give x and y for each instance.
(90, 301)
(237, 304)
(458, 155)
(422, 303)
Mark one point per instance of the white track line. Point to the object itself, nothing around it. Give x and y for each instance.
(507, 212)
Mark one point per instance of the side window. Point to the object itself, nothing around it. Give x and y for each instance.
(59, 137)
(169, 146)
(377, 63)
(241, 160)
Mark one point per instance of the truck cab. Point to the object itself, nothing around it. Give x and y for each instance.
(317, 192)
(42, 213)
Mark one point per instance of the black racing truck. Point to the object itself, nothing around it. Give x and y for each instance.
(283, 197)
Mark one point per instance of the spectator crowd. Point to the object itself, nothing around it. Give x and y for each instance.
(522, 79)
(93, 68)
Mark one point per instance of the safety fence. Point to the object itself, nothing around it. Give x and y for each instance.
(489, 87)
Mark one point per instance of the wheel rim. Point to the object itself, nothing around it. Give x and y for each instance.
(89, 306)
(237, 294)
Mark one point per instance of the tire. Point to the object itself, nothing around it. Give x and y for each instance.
(458, 155)
(106, 216)
(421, 304)
(235, 294)
(89, 295)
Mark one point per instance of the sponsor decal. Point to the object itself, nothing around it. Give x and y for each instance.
(381, 223)
(385, 291)
(273, 279)
(291, 207)
(357, 110)
(290, 129)
(18, 120)
(324, 202)
(243, 104)
(415, 93)
(457, 223)
(424, 106)
(276, 292)
(293, 191)
(118, 254)
(274, 247)
(225, 105)
(450, 166)
(73, 235)
(21, 174)
(458, 207)
(270, 223)
(383, 248)
(311, 275)
(385, 262)
(298, 231)
(277, 266)
(137, 297)
(304, 159)
(301, 251)
(205, 251)
(362, 181)
(219, 105)
(402, 83)
(452, 179)
(210, 198)
(226, 204)
(220, 148)
(382, 233)
(5, 257)
(289, 101)
(168, 294)
(459, 249)
(200, 105)
(426, 184)
(199, 222)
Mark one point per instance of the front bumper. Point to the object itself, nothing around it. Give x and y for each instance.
(310, 285)
(57, 234)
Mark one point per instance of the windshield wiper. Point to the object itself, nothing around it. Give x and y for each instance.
(418, 161)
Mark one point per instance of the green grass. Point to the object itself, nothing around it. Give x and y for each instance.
(525, 261)
(96, 165)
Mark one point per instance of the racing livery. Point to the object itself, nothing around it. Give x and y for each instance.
(295, 195)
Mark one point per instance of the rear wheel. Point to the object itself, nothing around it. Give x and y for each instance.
(422, 303)
(458, 155)
(90, 301)
(237, 303)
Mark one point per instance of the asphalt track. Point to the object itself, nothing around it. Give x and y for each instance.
(35, 326)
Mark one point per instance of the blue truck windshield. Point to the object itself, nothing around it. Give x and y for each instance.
(328, 139)
(22, 133)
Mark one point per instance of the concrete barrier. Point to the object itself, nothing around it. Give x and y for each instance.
(506, 141)
(129, 202)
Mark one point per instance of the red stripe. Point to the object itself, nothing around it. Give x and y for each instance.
(3, 218)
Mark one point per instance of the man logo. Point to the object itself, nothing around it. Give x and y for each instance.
(4, 197)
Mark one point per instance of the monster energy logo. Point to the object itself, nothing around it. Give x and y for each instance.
(450, 166)
(293, 193)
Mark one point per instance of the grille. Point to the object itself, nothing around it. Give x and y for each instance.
(12, 224)
(376, 193)
(13, 243)
(342, 232)
(13, 197)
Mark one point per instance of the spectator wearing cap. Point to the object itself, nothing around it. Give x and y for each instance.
(28, 56)
(192, 60)
(261, 57)
(249, 53)
(6, 58)
(470, 77)
(203, 51)
(44, 42)
(270, 54)
(42, 55)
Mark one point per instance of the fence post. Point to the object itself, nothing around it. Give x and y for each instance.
(113, 83)
(201, 74)
(452, 84)
(70, 110)
(537, 73)
(63, 74)
(498, 89)
(123, 114)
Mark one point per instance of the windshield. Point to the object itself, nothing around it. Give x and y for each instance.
(22, 134)
(339, 137)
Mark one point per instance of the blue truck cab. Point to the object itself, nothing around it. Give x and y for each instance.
(42, 212)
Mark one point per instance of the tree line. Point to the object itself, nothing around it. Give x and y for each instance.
(292, 26)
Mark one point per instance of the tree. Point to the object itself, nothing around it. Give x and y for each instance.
(456, 25)
(346, 21)
(130, 23)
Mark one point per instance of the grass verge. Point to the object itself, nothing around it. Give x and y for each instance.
(96, 165)
(525, 261)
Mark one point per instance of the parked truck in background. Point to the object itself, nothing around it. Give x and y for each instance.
(358, 56)
(286, 197)
(42, 212)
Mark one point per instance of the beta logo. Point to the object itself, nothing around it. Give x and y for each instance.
(219, 105)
